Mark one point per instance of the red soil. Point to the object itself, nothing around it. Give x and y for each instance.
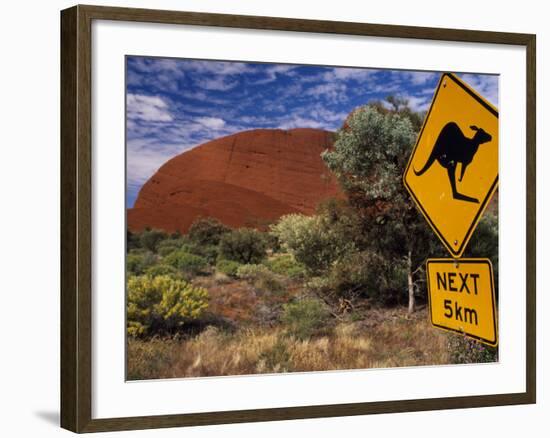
(246, 179)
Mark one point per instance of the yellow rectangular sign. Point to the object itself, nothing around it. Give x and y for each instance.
(462, 297)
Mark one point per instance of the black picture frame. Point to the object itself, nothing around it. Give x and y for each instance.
(76, 217)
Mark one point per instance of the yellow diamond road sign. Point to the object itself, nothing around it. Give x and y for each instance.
(453, 170)
(462, 297)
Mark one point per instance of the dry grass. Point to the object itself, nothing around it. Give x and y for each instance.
(395, 341)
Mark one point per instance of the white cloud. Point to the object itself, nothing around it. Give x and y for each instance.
(300, 122)
(219, 68)
(217, 83)
(147, 108)
(211, 122)
(486, 85)
(335, 91)
(344, 74)
(418, 103)
(415, 103)
(421, 78)
(271, 73)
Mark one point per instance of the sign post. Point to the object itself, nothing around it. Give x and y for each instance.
(452, 175)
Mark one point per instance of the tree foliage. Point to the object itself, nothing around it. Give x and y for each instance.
(369, 158)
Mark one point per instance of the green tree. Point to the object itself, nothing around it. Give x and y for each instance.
(369, 157)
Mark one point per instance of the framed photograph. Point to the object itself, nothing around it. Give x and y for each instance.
(268, 218)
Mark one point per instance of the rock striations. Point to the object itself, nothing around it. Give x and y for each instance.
(246, 179)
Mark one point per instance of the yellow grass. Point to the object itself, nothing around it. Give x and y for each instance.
(395, 342)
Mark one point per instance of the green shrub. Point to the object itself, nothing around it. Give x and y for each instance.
(367, 274)
(269, 283)
(185, 262)
(167, 246)
(244, 245)
(132, 240)
(305, 318)
(261, 277)
(208, 252)
(228, 267)
(207, 231)
(286, 265)
(150, 239)
(251, 271)
(464, 350)
(161, 305)
(138, 262)
(156, 270)
(313, 241)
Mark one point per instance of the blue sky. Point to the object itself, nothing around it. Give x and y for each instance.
(176, 104)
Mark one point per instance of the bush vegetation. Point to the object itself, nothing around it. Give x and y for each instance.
(150, 239)
(186, 262)
(261, 277)
(138, 262)
(305, 318)
(243, 245)
(287, 265)
(162, 304)
(207, 231)
(228, 267)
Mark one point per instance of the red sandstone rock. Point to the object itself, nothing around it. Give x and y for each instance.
(246, 179)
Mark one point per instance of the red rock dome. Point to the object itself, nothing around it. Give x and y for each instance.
(246, 179)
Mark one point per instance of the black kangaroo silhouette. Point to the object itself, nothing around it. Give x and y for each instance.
(453, 147)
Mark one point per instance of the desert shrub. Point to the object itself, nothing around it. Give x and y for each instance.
(251, 271)
(261, 277)
(132, 240)
(167, 246)
(208, 252)
(286, 265)
(162, 304)
(138, 262)
(272, 242)
(312, 240)
(185, 262)
(207, 231)
(228, 267)
(150, 239)
(305, 318)
(161, 269)
(464, 350)
(244, 245)
(367, 274)
(269, 283)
